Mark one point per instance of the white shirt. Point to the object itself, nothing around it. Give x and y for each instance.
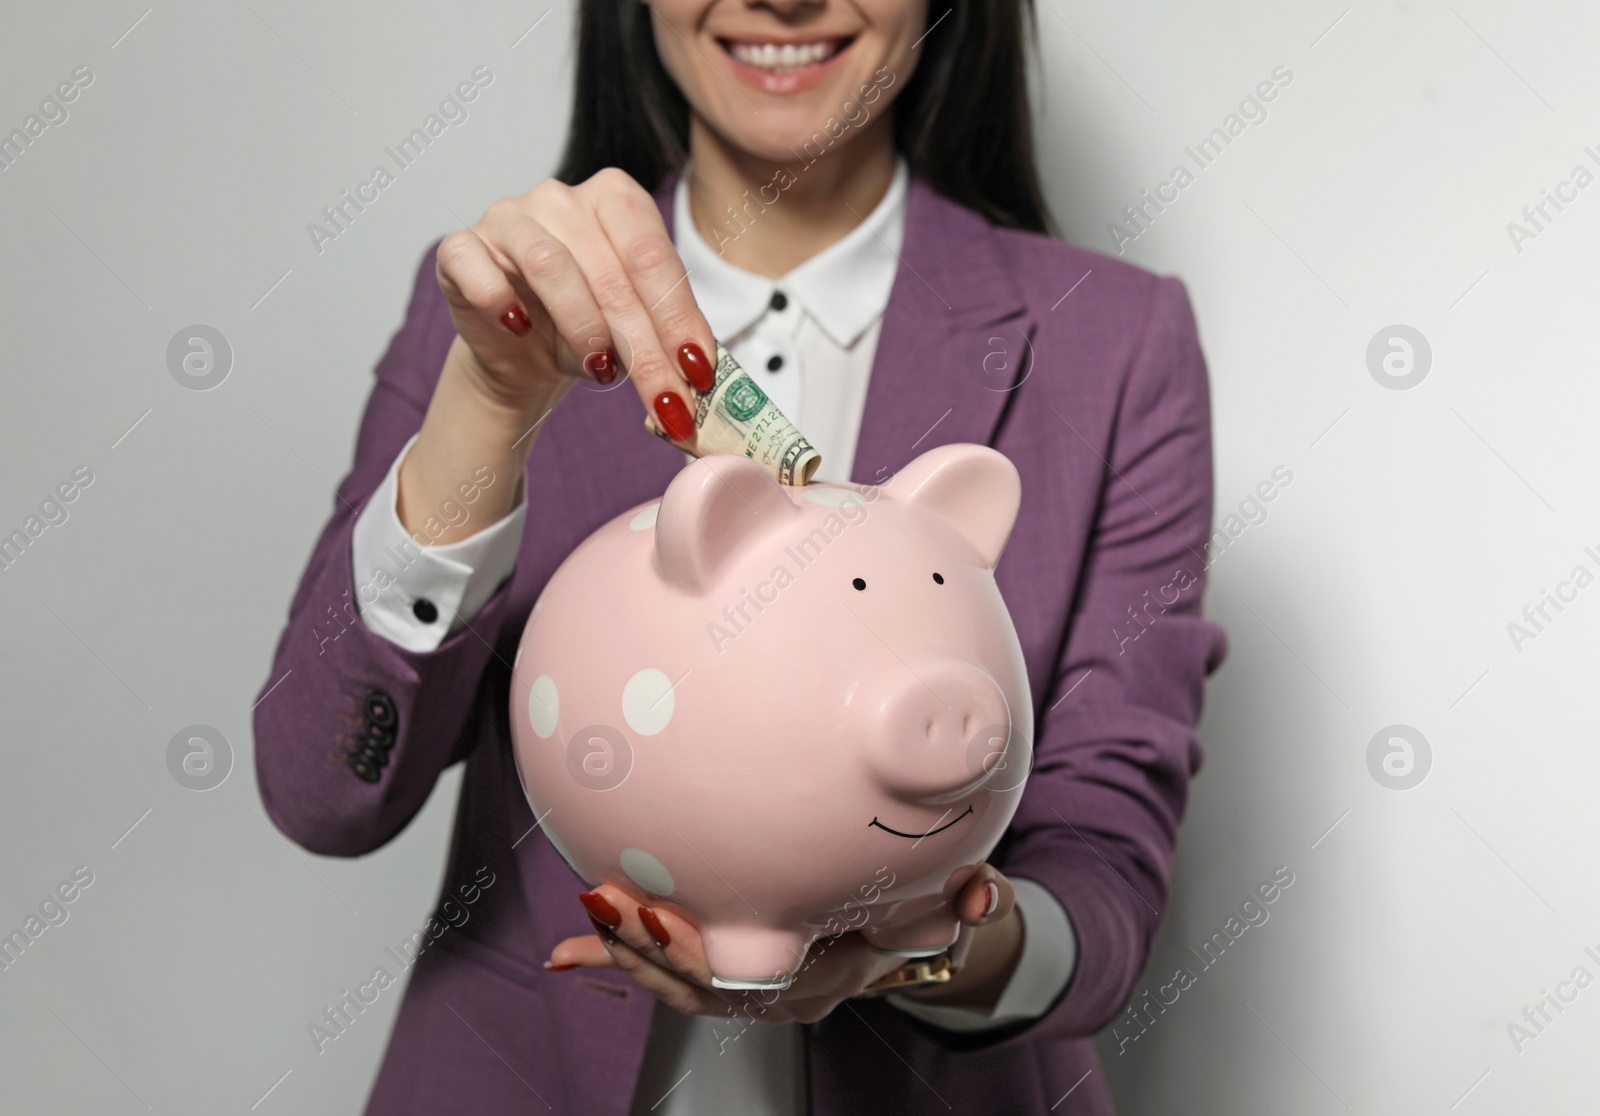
(808, 339)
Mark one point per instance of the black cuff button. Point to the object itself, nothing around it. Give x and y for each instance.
(365, 769)
(424, 610)
(381, 711)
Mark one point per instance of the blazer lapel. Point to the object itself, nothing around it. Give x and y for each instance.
(955, 342)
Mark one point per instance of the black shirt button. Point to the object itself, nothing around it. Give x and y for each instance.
(365, 769)
(774, 364)
(381, 711)
(423, 609)
(779, 301)
(379, 737)
(372, 753)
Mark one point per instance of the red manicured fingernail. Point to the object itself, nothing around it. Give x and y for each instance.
(652, 923)
(692, 359)
(604, 931)
(674, 416)
(601, 365)
(516, 320)
(596, 905)
(554, 968)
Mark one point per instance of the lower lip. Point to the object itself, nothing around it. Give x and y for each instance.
(795, 81)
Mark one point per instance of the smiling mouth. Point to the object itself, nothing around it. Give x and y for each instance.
(918, 836)
(783, 58)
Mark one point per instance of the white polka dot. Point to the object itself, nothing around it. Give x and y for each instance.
(648, 872)
(647, 701)
(544, 705)
(831, 497)
(646, 518)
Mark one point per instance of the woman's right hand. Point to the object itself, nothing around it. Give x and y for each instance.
(562, 283)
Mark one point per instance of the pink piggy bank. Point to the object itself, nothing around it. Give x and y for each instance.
(785, 713)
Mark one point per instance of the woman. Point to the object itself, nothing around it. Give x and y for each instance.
(844, 192)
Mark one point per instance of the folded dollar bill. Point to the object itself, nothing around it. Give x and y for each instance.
(736, 416)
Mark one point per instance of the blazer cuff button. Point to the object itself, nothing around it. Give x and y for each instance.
(381, 711)
(365, 769)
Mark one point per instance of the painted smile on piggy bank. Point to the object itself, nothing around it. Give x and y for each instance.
(713, 689)
(918, 836)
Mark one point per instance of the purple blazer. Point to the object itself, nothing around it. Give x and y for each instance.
(1110, 429)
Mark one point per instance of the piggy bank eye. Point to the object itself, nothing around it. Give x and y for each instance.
(859, 584)
(938, 579)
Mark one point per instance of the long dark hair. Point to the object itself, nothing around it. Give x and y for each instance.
(962, 122)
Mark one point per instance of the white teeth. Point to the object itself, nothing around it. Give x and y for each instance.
(784, 59)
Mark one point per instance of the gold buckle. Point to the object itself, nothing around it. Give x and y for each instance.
(913, 974)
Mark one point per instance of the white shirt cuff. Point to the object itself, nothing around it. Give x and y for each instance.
(1049, 953)
(396, 569)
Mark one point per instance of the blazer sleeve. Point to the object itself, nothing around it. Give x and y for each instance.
(352, 730)
(1098, 822)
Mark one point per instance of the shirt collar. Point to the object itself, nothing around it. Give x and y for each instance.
(845, 287)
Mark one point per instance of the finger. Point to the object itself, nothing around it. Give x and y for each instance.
(547, 266)
(986, 897)
(662, 983)
(585, 951)
(677, 941)
(632, 222)
(656, 932)
(637, 276)
(472, 278)
(660, 384)
(609, 908)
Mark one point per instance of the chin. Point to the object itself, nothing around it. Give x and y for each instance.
(801, 128)
(800, 141)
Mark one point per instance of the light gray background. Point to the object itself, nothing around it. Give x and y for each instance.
(1418, 525)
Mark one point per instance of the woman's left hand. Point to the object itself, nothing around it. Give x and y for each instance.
(664, 955)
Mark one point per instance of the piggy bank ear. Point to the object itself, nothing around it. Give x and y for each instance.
(713, 509)
(974, 489)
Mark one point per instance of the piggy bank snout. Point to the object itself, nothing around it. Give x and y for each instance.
(940, 730)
